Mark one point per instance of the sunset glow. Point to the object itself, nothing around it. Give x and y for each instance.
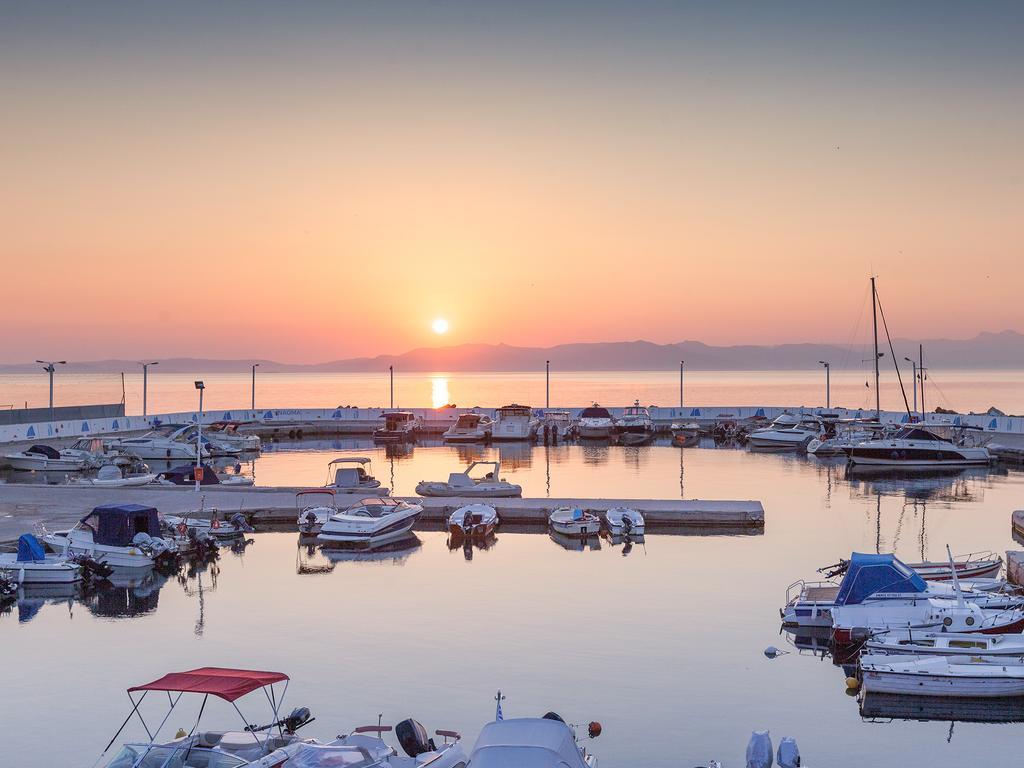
(440, 326)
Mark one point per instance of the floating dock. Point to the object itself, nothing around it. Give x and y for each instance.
(24, 507)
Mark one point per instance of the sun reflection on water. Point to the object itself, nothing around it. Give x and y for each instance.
(439, 391)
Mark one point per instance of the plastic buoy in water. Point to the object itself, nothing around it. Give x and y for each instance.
(772, 652)
(852, 683)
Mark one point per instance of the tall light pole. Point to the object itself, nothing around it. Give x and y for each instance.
(913, 365)
(48, 366)
(681, 363)
(199, 435)
(828, 383)
(254, 367)
(547, 383)
(145, 383)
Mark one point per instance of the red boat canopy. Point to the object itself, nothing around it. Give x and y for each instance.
(228, 684)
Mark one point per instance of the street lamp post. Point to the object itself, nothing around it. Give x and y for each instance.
(828, 383)
(681, 363)
(145, 383)
(48, 366)
(391, 377)
(254, 367)
(547, 383)
(913, 364)
(199, 434)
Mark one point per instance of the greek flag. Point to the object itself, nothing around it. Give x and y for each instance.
(498, 714)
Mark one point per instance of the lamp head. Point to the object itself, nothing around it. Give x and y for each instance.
(200, 385)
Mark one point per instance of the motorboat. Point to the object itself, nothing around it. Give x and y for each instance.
(636, 421)
(595, 423)
(686, 434)
(472, 521)
(877, 578)
(557, 425)
(351, 474)
(113, 476)
(915, 446)
(44, 458)
(262, 746)
(120, 535)
(96, 453)
(167, 442)
(514, 422)
(227, 433)
(373, 520)
(464, 484)
(31, 564)
(396, 427)
(841, 436)
(532, 742)
(975, 567)
(917, 643)
(315, 505)
(470, 428)
(365, 748)
(213, 526)
(575, 522)
(787, 432)
(855, 623)
(624, 521)
(955, 676)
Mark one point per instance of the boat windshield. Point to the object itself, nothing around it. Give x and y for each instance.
(595, 413)
(375, 506)
(177, 756)
(915, 433)
(468, 420)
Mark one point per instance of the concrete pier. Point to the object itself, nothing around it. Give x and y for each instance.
(23, 507)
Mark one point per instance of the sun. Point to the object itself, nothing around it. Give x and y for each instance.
(440, 325)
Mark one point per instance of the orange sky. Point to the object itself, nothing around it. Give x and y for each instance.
(185, 182)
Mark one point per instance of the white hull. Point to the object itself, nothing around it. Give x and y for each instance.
(54, 570)
(118, 557)
(443, 490)
(478, 436)
(369, 539)
(882, 462)
(42, 464)
(879, 679)
(133, 481)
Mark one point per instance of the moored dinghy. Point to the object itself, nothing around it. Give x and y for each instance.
(625, 521)
(32, 565)
(968, 677)
(476, 521)
(575, 522)
(352, 474)
(489, 486)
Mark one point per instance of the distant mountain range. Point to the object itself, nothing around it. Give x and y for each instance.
(986, 350)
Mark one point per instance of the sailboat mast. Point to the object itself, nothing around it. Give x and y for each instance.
(874, 324)
(920, 368)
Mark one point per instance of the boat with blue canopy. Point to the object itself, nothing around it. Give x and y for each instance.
(31, 564)
(120, 535)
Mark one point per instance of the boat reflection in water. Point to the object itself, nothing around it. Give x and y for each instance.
(470, 543)
(312, 560)
(945, 483)
(623, 540)
(885, 707)
(576, 543)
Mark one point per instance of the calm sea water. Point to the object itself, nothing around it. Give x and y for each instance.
(663, 645)
(959, 390)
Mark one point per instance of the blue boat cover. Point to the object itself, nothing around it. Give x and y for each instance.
(869, 574)
(116, 525)
(185, 474)
(30, 549)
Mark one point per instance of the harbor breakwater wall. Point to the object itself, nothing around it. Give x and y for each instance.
(286, 422)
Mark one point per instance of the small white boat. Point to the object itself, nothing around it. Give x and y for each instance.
(635, 427)
(532, 742)
(373, 520)
(365, 748)
(120, 535)
(43, 458)
(622, 520)
(32, 565)
(575, 522)
(787, 432)
(111, 476)
(514, 422)
(595, 423)
(396, 427)
(557, 425)
(352, 474)
(970, 677)
(473, 521)
(918, 643)
(213, 526)
(489, 486)
(470, 428)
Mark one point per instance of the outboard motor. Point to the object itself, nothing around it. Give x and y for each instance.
(627, 524)
(238, 520)
(299, 717)
(413, 737)
(93, 569)
(789, 754)
(759, 750)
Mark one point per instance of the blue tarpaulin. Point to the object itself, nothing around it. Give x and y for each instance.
(869, 574)
(30, 549)
(117, 524)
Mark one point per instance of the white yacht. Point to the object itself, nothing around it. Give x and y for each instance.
(787, 432)
(916, 446)
(396, 427)
(845, 435)
(557, 424)
(595, 423)
(515, 422)
(168, 442)
(489, 485)
(352, 475)
(371, 521)
(44, 458)
(470, 428)
(120, 535)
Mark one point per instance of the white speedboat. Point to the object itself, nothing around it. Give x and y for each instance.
(470, 428)
(787, 432)
(622, 520)
(514, 422)
(635, 426)
(112, 476)
(43, 458)
(167, 442)
(374, 520)
(227, 433)
(464, 484)
(595, 423)
(841, 436)
(962, 677)
(32, 565)
(855, 623)
(918, 643)
(120, 535)
(558, 425)
(473, 521)
(351, 474)
(575, 522)
(532, 742)
(396, 427)
(365, 748)
(914, 446)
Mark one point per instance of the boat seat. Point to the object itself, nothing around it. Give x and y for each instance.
(460, 480)
(821, 594)
(346, 477)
